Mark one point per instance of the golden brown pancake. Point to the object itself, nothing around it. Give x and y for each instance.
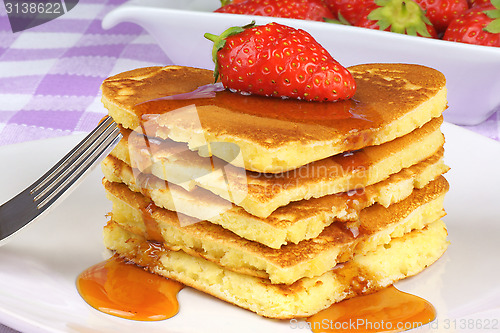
(292, 223)
(261, 194)
(400, 258)
(292, 165)
(275, 135)
(308, 258)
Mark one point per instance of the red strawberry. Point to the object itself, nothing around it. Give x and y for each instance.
(478, 25)
(280, 61)
(314, 10)
(479, 3)
(401, 16)
(442, 12)
(348, 10)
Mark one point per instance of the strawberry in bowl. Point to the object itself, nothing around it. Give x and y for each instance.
(314, 10)
(479, 25)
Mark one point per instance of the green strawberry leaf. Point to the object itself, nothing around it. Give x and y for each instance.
(494, 14)
(404, 17)
(341, 20)
(493, 27)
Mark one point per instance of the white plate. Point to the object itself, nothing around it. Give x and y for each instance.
(472, 71)
(38, 267)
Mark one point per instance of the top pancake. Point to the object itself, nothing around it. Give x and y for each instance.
(274, 135)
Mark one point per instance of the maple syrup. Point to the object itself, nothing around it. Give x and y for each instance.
(388, 310)
(122, 289)
(153, 232)
(348, 116)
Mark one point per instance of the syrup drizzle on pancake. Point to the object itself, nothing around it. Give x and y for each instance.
(388, 310)
(122, 289)
(343, 116)
(153, 231)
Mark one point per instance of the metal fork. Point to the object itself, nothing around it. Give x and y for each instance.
(59, 180)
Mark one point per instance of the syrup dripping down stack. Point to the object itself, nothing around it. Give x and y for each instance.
(282, 207)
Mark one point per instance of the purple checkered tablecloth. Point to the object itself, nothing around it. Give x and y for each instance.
(50, 74)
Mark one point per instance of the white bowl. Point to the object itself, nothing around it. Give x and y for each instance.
(472, 72)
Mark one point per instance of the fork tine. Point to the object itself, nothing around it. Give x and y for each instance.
(76, 166)
(60, 166)
(65, 166)
(23, 208)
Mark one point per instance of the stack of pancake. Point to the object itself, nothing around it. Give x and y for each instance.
(279, 206)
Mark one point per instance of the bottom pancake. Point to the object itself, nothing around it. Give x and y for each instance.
(404, 256)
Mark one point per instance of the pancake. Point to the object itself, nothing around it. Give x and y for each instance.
(402, 257)
(292, 223)
(279, 206)
(274, 135)
(309, 258)
(261, 194)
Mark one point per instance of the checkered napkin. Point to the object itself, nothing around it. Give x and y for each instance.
(50, 74)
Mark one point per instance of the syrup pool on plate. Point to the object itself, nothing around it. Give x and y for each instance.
(125, 290)
(388, 310)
